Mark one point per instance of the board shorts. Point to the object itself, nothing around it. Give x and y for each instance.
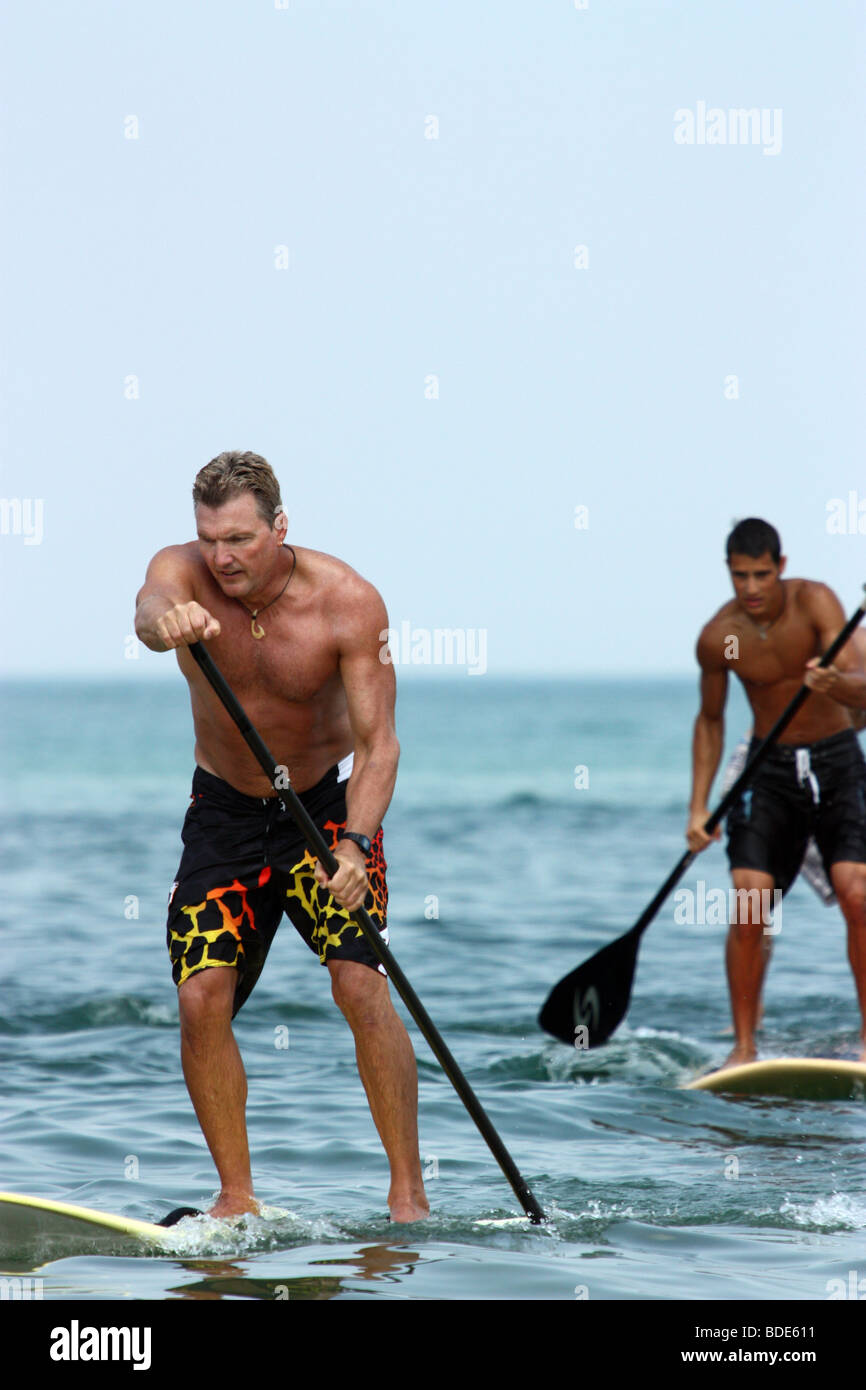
(244, 864)
(811, 868)
(815, 792)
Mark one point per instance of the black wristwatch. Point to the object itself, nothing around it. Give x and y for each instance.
(360, 840)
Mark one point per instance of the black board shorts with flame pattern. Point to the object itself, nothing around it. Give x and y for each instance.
(244, 864)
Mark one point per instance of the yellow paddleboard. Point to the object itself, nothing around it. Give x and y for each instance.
(801, 1078)
(38, 1223)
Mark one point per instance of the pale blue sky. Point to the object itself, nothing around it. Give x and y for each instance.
(304, 127)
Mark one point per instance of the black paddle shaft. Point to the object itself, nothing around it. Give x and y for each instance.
(595, 996)
(278, 778)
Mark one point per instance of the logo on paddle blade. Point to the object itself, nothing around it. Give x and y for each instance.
(587, 1009)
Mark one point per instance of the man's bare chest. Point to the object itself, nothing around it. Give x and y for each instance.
(287, 655)
(764, 660)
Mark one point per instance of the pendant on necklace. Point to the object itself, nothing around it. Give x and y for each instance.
(255, 628)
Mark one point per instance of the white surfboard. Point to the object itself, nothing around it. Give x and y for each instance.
(801, 1078)
(38, 1224)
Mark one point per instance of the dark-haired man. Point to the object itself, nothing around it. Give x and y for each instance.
(813, 782)
(297, 635)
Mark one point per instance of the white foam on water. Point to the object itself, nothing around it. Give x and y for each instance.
(269, 1228)
(838, 1212)
(645, 1031)
(504, 1221)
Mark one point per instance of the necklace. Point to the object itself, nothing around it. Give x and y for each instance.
(763, 631)
(256, 628)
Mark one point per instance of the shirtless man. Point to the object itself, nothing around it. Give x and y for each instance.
(297, 635)
(813, 782)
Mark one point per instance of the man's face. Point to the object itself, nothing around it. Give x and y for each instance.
(237, 545)
(756, 583)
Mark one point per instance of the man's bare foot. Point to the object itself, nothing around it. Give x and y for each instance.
(740, 1056)
(409, 1208)
(234, 1204)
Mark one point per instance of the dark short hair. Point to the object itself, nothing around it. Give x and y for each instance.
(755, 538)
(233, 473)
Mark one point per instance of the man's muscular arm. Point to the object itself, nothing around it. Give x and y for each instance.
(166, 614)
(370, 694)
(844, 681)
(709, 736)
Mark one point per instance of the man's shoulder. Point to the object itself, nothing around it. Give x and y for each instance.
(174, 563)
(713, 637)
(350, 601)
(343, 586)
(722, 618)
(183, 555)
(810, 595)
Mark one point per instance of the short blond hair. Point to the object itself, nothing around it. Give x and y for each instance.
(234, 472)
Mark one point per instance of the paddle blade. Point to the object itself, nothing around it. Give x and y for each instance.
(178, 1214)
(590, 1003)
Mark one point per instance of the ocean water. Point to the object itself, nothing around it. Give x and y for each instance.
(504, 875)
